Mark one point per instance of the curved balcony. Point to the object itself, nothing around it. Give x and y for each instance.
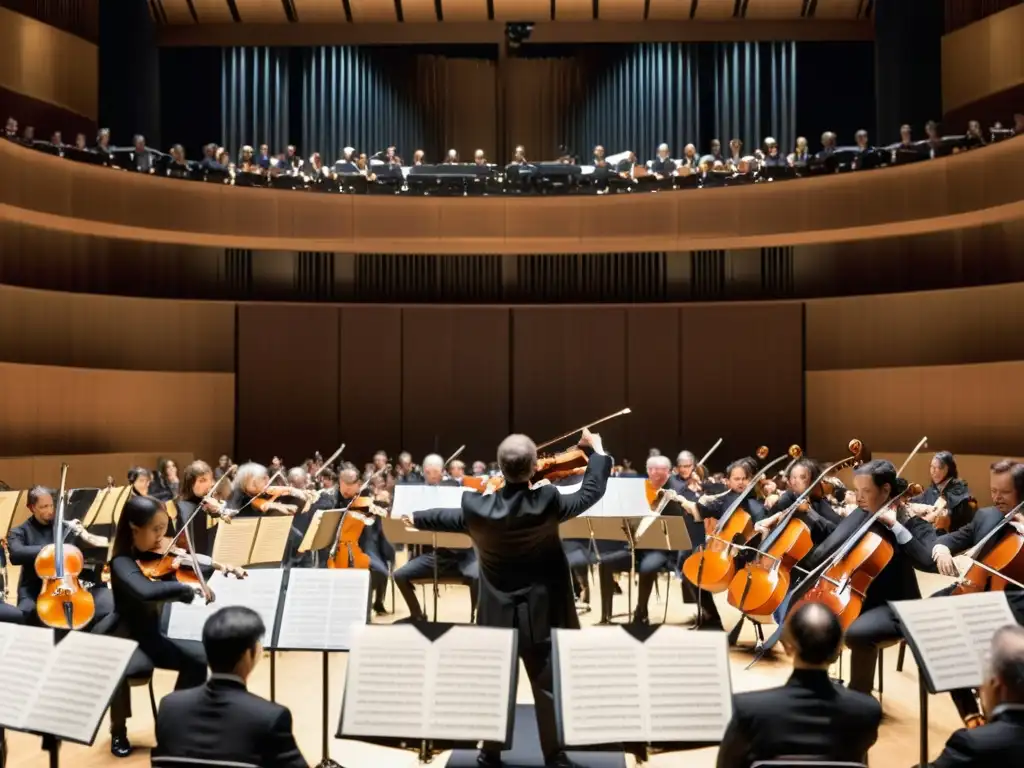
(982, 187)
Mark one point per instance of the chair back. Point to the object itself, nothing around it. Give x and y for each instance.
(197, 762)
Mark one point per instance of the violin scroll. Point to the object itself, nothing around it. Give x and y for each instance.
(795, 451)
(762, 452)
(856, 447)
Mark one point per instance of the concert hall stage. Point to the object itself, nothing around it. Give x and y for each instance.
(298, 687)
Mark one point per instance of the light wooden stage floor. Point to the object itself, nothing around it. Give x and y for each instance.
(299, 688)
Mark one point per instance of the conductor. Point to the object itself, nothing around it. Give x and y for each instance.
(524, 577)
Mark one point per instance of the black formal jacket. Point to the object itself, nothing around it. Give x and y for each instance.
(959, 503)
(810, 716)
(444, 554)
(223, 721)
(998, 744)
(24, 543)
(897, 581)
(821, 519)
(139, 601)
(524, 576)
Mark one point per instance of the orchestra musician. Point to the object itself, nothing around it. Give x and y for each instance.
(946, 484)
(140, 479)
(26, 541)
(195, 484)
(221, 723)
(822, 518)
(997, 743)
(810, 716)
(139, 602)
(451, 563)
(1006, 480)
(457, 471)
(524, 577)
(876, 484)
(251, 481)
(649, 562)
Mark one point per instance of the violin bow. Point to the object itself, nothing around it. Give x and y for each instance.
(199, 506)
(454, 456)
(922, 443)
(270, 482)
(623, 412)
(330, 461)
(707, 455)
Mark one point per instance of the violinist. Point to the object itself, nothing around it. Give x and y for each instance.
(252, 494)
(946, 484)
(451, 563)
(1006, 481)
(457, 471)
(26, 541)
(876, 485)
(195, 484)
(140, 535)
(140, 478)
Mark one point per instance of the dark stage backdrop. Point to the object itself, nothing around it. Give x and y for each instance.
(469, 97)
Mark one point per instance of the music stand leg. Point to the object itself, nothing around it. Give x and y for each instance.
(629, 586)
(923, 694)
(426, 752)
(325, 739)
(435, 578)
(54, 749)
(273, 675)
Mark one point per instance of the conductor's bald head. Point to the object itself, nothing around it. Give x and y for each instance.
(813, 636)
(517, 458)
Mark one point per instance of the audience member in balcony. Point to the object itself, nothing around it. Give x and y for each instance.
(975, 138)
(80, 143)
(934, 138)
(209, 161)
(28, 136)
(863, 145)
(294, 160)
(479, 158)
(165, 480)
(56, 139)
(141, 157)
(663, 166)
(800, 155)
(772, 156)
(906, 136)
(417, 157)
(1018, 124)
(363, 166)
(103, 141)
(716, 152)
(246, 161)
(828, 144)
(452, 158)
(178, 167)
(735, 153)
(519, 158)
(264, 160)
(11, 129)
(316, 169)
(224, 159)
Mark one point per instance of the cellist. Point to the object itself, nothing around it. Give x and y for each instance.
(1006, 482)
(821, 518)
(876, 485)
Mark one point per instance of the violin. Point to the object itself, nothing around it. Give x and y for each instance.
(765, 582)
(713, 567)
(63, 602)
(165, 560)
(269, 499)
(346, 552)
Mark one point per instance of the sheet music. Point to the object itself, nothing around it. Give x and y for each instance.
(80, 679)
(260, 590)
(613, 688)
(952, 635)
(416, 498)
(24, 652)
(324, 608)
(271, 539)
(233, 541)
(624, 497)
(328, 518)
(401, 685)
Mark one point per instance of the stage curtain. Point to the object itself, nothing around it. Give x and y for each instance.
(537, 96)
(254, 98)
(358, 97)
(457, 98)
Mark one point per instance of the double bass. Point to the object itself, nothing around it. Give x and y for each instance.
(63, 602)
(713, 567)
(763, 585)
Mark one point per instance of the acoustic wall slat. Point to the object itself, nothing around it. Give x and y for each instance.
(775, 9)
(465, 10)
(418, 10)
(522, 10)
(261, 11)
(320, 11)
(653, 383)
(177, 12)
(621, 10)
(662, 10)
(838, 9)
(373, 10)
(575, 10)
(217, 11)
(715, 9)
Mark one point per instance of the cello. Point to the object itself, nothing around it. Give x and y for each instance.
(63, 602)
(996, 560)
(360, 512)
(761, 589)
(712, 568)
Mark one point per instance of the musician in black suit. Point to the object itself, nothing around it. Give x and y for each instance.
(946, 484)
(663, 165)
(524, 576)
(451, 563)
(221, 720)
(810, 716)
(999, 742)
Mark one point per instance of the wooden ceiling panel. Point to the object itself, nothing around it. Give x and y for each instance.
(418, 10)
(177, 12)
(621, 10)
(212, 11)
(329, 11)
(673, 10)
(709, 10)
(522, 10)
(261, 12)
(774, 9)
(574, 10)
(837, 9)
(373, 10)
(464, 10)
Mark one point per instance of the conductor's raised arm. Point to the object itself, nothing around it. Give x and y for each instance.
(440, 521)
(595, 479)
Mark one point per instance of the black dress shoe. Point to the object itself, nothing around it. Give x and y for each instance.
(488, 759)
(120, 746)
(561, 760)
(379, 609)
(641, 619)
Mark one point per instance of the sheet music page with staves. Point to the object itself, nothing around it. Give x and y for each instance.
(233, 541)
(410, 499)
(324, 608)
(24, 652)
(82, 673)
(260, 590)
(952, 635)
(271, 539)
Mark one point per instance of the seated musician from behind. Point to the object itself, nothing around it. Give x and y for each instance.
(27, 540)
(810, 717)
(1006, 481)
(139, 604)
(221, 721)
(999, 742)
(451, 563)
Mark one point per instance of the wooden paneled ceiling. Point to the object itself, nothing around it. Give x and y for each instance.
(341, 11)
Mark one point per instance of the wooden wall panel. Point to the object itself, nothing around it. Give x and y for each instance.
(653, 382)
(455, 380)
(961, 408)
(742, 378)
(51, 410)
(983, 59)
(87, 331)
(370, 381)
(569, 368)
(973, 468)
(969, 325)
(84, 470)
(287, 382)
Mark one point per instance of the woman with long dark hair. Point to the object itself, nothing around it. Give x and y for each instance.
(139, 601)
(946, 484)
(165, 483)
(195, 484)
